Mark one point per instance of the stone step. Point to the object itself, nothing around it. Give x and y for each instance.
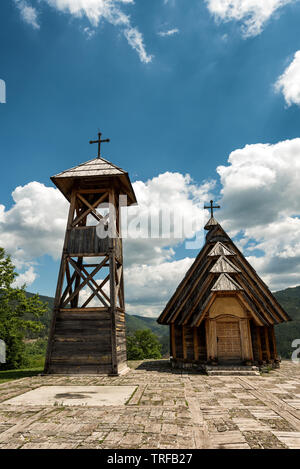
(232, 373)
(231, 367)
(234, 370)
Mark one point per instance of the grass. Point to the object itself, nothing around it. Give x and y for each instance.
(9, 375)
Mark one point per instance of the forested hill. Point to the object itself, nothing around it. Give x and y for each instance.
(286, 333)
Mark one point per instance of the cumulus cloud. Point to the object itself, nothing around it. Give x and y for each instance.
(28, 13)
(170, 210)
(149, 287)
(252, 14)
(33, 226)
(289, 82)
(169, 32)
(26, 278)
(261, 198)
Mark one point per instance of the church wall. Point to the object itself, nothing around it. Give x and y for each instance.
(226, 305)
(189, 343)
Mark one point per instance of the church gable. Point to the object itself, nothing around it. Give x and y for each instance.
(220, 249)
(220, 267)
(225, 283)
(223, 265)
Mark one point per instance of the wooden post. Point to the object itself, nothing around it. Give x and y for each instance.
(173, 341)
(196, 349)
(275, 356)
(211, 339)
(258, 341)
(267, 343)
(184, 343)
(112, 278)
(246, 345)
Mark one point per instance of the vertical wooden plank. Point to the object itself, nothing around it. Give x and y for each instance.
(211, 339)
(267, 343)
(184, 343)
(196, 349)
(272, 331)
(258, 341)
(173, 341)
(251, 355)
(245, 339)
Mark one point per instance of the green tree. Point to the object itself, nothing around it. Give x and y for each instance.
(143, 344)
(14, 307)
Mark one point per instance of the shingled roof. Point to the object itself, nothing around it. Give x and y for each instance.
(220, 268)
(96, 169)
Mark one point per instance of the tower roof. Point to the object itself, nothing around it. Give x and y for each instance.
(98, 170)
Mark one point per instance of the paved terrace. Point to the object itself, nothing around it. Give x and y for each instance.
(168, 410)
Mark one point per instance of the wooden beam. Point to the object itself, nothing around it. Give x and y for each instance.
(196, 346)
(86, 212)
(267, 343)
(173, 341)
(273, 338)
(258, 342)
(211, 339)
(184, 343)
(112, 273)
(246, 343)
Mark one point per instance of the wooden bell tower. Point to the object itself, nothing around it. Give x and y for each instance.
(87, 333)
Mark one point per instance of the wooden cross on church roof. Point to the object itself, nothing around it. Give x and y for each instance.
(99, 141)
(211, 208)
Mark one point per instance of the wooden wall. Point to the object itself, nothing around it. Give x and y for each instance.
(84, 240)
(82, 342)
(189, 343)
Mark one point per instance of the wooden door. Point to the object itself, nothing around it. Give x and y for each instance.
(229, 341)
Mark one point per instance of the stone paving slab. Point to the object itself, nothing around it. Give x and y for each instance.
(170, 409)
(92, 396)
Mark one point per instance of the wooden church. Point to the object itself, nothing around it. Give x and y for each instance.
(87, 333)
(222, 313)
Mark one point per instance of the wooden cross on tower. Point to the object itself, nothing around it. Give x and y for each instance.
(211, 208)
(99, 141)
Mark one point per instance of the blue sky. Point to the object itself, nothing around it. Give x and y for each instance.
(191, 88)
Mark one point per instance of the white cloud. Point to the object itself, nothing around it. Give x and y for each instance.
(95, 11)
(149, 287)
(33, 226)
(289, 82)
(26, 278)
(28, 13)
(108, 10)
(172, 193)
(136, 41)
(261, 197)
(252, 14)
(169, 32)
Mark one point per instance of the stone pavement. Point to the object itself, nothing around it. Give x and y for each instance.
(169, 409)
